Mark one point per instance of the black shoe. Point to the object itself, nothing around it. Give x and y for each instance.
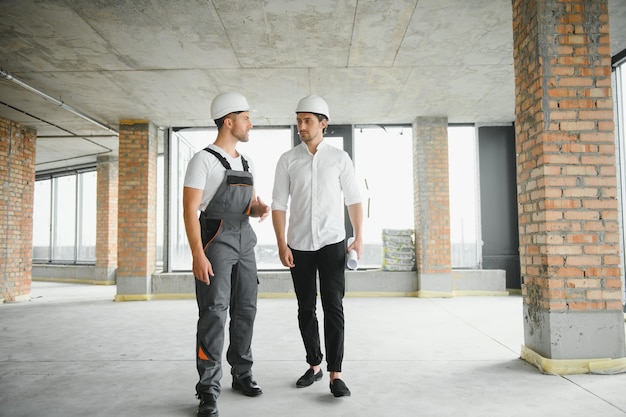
(208, 406)
(309, 378)
(247, 386)
(339, 388)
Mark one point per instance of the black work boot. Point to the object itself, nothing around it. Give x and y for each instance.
(208, 405)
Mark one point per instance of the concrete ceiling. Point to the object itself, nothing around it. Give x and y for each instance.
(164, 60)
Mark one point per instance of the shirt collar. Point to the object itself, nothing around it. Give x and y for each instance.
(321, 146)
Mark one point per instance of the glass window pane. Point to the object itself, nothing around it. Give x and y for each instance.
(337, 142)
(621, 129)
(160, 210)
(379, 151)
(86, 222)
(184, 144)
(463, 196)
(41, 220)
(64, 218)
(264, 148)
(619, 81)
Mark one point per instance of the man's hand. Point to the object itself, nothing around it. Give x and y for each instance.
(202, 268)
(260, 209)
(286, 257)
(357, 246)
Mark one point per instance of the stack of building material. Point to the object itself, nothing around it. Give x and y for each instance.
(398, 250)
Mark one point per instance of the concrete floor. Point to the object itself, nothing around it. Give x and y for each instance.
(72, 351)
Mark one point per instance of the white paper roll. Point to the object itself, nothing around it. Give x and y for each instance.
(352, 262)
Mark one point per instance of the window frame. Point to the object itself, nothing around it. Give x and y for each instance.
(79, 224)
(619, 104)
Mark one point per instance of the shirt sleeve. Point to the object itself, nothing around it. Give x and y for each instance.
(349, 186)
(280, 192)
(197, 172)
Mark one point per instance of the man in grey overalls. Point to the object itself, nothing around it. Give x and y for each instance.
(219, 183)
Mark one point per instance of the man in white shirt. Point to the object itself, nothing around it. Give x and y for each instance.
(219, 183)
(315, 175)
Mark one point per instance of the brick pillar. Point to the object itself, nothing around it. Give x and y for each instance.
(17, 185)
(136, 255)
(432, 206)
(567, 181)
(106, 226)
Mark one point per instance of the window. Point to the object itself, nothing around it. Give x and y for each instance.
(160, 211)
(42, 218)
(464, 223)
(86, 210)
(264, 148)
(379, 151)
(64, 218)
(619, 82)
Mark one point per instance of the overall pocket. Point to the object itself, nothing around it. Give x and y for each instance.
(209, 229)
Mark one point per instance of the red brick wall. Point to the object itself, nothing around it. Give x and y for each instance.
(566, 169)
(432, 196)
(137, 199)
(17, 182)
(106, 228)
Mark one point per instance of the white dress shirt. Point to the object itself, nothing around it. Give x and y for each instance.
(315, 183)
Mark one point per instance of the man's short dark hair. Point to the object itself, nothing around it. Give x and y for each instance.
(220, 122)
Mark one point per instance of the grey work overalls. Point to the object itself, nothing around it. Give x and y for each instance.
(229, 242)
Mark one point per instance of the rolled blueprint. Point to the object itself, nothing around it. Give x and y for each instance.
(352, 262)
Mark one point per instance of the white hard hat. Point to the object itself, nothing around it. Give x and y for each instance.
(313, 104)
(226, 103)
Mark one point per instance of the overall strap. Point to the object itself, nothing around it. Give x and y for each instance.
(223, 160)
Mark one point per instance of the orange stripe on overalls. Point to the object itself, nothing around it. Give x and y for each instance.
(202, 355)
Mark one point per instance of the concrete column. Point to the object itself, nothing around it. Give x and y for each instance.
(567, 185)
(17, 191)
(106, 225)
(432, 206)
(136, 255)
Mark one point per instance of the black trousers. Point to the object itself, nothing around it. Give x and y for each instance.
(329, 262)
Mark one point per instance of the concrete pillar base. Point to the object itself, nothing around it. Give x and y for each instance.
(435, 285)
(134, 288)
(605, 366)
(572, 335)
(104, 275)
